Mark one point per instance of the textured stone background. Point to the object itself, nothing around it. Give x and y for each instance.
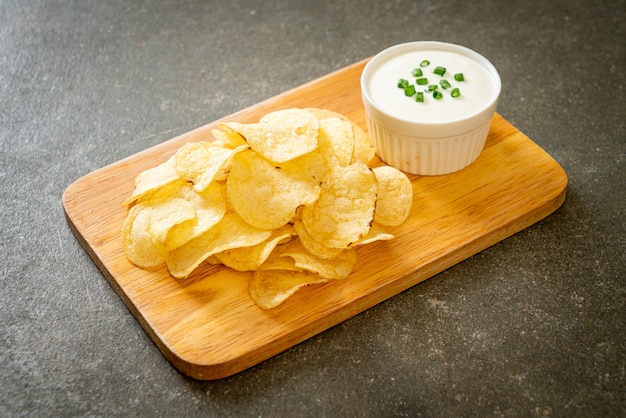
(533, 326)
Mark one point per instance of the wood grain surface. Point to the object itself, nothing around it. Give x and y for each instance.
(207, 326)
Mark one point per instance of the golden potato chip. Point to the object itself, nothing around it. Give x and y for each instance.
(395, 196)
(145, 230)
(202, 162)
(337, 268)
(364, 152)
(209, 206)
(376, 233)
(315, 164)
(316, 248)
(227, 138)
(336, 140)
(251, 258)
(167, 214)
(167, 191)
(138, 244)
(152, 179)
(289, 198)
(345, 208)
(282, 135)
(321, 114)
(276, 262)
(270, 288)
(230, 232)
(212, 260)
(265, 194)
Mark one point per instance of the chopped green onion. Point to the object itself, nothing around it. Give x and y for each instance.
(436, 89)
(402, 83)
(440, 70)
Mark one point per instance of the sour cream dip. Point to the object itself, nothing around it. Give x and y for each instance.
(445, 132)
(476, 90)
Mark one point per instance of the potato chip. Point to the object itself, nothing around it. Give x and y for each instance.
(276, 262)
(250, 258)
(289, 198)
(230, 232)
(345, 209)
(227, 138)
(337, 268)
(209, 207)
(212, 260)
(139, 246)
(395, 196)
(266, 195)
(167, 191)
(167, 214)
(321, 114)
(318, 249)
(282, 135)
(376, 233)
(270, 288)
(363, 150)
(336, 140)
(145, 230)
(201, 162)
(315, 164)
(152, 179)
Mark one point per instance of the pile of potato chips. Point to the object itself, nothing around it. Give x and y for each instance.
(287, 198)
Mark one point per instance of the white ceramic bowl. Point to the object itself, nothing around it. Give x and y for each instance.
(437, 136)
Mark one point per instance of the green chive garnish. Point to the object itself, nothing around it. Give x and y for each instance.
(402, 83)
(410, 90)
(440, 71)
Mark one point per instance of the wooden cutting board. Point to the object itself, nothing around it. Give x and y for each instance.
(207, 326)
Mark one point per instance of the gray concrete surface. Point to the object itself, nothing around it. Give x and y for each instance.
(533, 326)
